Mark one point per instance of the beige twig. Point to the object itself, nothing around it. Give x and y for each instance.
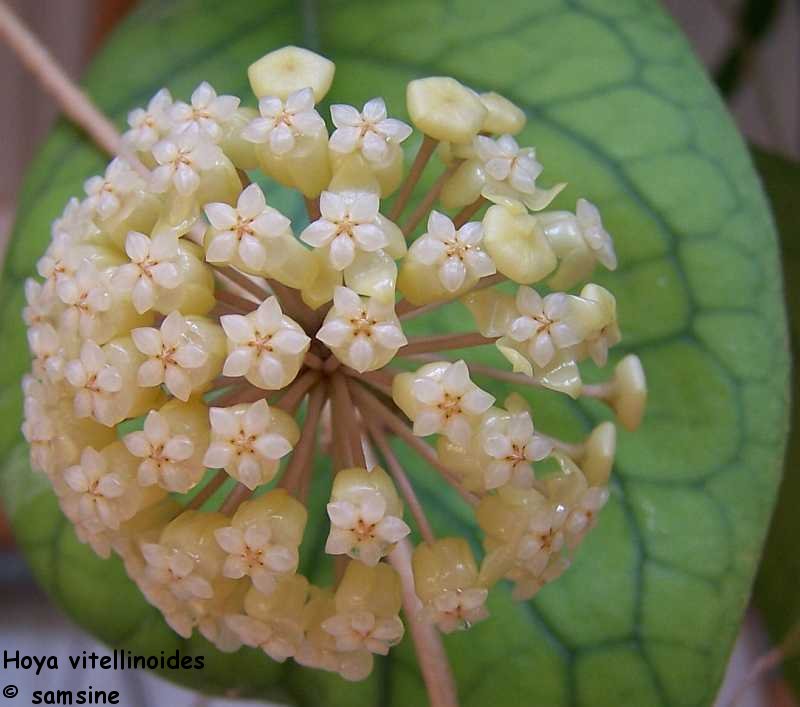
(208, 490)
(75, 103)
(433, 661)
(303, 453)
(401, 479)
(425, 206)
(426, 149)
(425, 344)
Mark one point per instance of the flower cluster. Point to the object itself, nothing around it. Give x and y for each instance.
(192, 347)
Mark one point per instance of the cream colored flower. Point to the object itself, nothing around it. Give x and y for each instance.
(245, 442)
(362, 528)
(362, 630)
(457, 254)
(513, 446)
(281, 123)
(457, 610)
(171, 356)
(544, 324)
(448, 402)
(105, 194)
(207, 112)
(250, 231)
(99, 491)
(253, 552)
(174, 569)
(167, 459)
(348, 224)
(86, 295)
(148, 126)
(265, 346)
(153, 268)
(365, 334)
(181, 160)
(48, 351)
(369, 132)
(511, 172)
(96, 384)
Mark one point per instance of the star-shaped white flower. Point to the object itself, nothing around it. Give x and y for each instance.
(253, 552)
(448, 402)
(175, 569)
(365, 334)
(362, 630)
(348, 223)
(458, 610)
(544, 324)
(207, 112)
(99, 491)
(582, 514)
(105, 194)
(59, 261)
(171, 356)
(244, 443)
(41, 303)
(543, 537)
(370, 132)
(96, 383)
(181, 159)
(279, 638)
(86, 295)
(265, 346)
(361, 527)
(281, 123)
(457, 254)
(511, 171)
(246, 231)
(153, 267)
(513, 446)
(167, 458)
(48, 351)
(148, 126)
(595, 235)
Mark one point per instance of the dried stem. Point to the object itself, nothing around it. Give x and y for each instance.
(479, 369)
(380, 380)
(469, 211)
(312, 208)
(294, 394)
(406, 310)
(241, 305)
(426, 149)
(396, 425)
(245, 393)
(401, 479)
(313, 361)
(433, 661)
(601, 391)
(425, 206)
(425, 344)
(347, 418)
(292, 303)
(243, 281)
(303, 453)
(72, 100)
(208, 490)
(235, 498)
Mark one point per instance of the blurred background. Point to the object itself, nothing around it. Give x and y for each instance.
(751, 49)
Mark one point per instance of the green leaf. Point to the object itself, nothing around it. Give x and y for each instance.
(780, 567)
(620, 108)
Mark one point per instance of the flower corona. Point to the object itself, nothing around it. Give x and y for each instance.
(205, 366)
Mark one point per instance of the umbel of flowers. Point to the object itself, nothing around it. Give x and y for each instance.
(194, 349)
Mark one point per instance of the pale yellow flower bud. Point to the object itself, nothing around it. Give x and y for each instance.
(517, 245)
(629, 392)
(289, 69)
(598, 454)
(446, 580)
(503, 116)
(445, 109)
